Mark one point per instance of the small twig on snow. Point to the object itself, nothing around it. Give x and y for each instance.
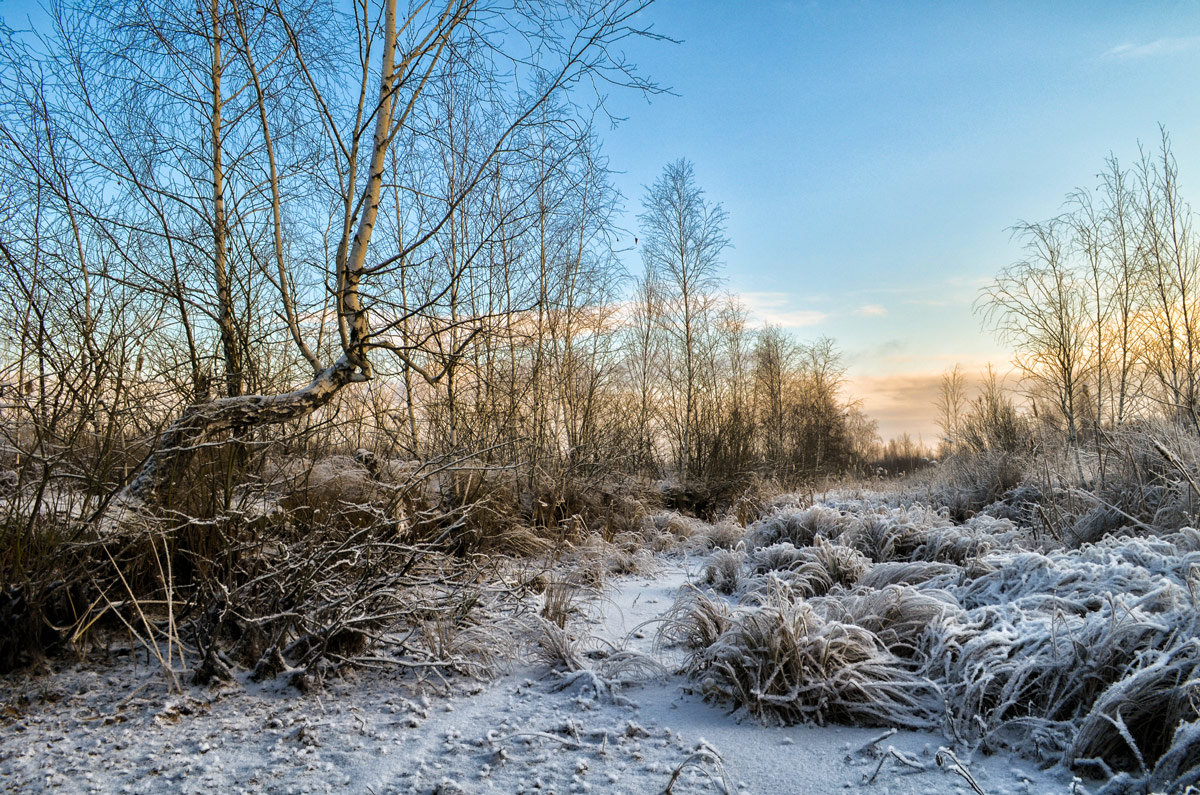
(958, 767)
(899, 756)
(869, 746)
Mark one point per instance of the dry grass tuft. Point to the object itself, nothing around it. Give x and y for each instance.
(559, 601)
(723, 572)
(695, 621)
(917, 572)
(667, 531)
(725, 534)
(557, 648)
(785, 663)
(844, 565)
(811, 571)
(905, 619)
(1133, 722)
(895, 614)
(798, 528)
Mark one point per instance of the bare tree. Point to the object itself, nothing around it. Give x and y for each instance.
(951, 405)
(684, 239)
(643, 366)
(1171, 283)
(1124, 252)
(1039, 306)
(774, 361)
(254, 77)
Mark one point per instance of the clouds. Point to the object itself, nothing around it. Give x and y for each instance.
(779, 309)
(899, 403)
(1169, 45)
(786, 310)
(905, 402)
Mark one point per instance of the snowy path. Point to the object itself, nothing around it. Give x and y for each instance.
(108, 731)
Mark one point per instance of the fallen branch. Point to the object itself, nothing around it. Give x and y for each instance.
(902, 758)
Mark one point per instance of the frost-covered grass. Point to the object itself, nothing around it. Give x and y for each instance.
(886, 612)
(611, 719)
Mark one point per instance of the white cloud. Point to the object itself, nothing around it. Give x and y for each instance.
(871, 310)
(755, 300)
(795, 318)
(1164, 46)
(778, 309)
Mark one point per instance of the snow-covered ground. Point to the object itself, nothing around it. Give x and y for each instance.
(529, 729)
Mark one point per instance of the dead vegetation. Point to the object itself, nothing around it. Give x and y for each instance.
(315, 563)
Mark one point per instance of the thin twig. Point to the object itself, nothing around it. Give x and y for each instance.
(958, 767)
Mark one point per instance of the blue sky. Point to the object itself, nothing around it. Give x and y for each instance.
(872, 155)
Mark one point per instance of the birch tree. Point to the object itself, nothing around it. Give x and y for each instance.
(1040, 306)
(684, 240)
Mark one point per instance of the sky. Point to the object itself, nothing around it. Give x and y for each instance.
(872, 156)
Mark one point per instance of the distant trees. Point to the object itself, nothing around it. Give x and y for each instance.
(729, 401)
(684, 239)
(951, 405)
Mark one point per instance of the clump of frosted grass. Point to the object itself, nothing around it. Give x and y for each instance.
(786, 663)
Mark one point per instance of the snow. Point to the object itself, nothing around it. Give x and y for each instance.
(617, 726)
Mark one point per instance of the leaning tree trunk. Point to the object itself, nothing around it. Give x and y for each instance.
(200, 423)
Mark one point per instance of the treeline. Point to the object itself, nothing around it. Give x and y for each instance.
(238, 221)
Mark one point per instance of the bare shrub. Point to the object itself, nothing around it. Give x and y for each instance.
(739, 498)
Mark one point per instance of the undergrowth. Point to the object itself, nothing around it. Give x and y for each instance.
(309, 564)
